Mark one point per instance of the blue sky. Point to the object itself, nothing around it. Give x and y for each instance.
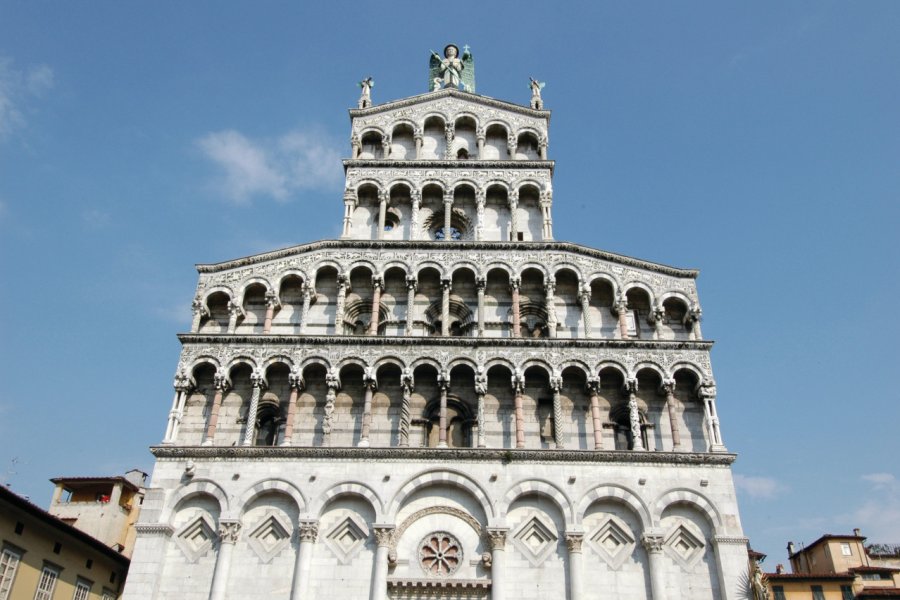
(758, 142)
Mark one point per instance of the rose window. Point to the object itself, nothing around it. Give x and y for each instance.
(440, 554)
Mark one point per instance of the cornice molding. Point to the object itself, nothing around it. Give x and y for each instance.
(455, 342)
(534, 247)
(449, 92)
(449, 164)
(450, 455)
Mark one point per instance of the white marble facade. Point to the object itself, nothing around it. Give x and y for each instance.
(445, 403)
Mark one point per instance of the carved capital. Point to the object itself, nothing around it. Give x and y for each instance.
(653, 542)
(593, 385)
(182, 381)
(271, 299)
(514, 284)
(550, 288)
(229, 531)
(295, 380)
(308, 531)
(556, 383)
(412, 283)
(446, 285)
(198, 306)
(407, 380)
(497, 536)
(332, 381)
(631, 385)
(377, 282)
(258, 379)
(481, 284)
(221, 381)
(574, 541)
(383, 534)
(481, 384)
(668, 387)
(708, 389)
(443, 380)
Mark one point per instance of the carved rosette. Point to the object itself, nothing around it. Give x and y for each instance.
(440, 554)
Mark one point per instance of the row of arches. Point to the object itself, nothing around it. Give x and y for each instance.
(493, 212)
(463, 406)
(533, 532)
(437, 137)
(435, 300)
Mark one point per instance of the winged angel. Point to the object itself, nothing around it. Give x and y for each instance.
(452, 71)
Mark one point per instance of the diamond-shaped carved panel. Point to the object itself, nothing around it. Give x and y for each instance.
(195, 539)
(536, 539)
(684, 543)
(269, 538)
(612, 541)
(347, 538)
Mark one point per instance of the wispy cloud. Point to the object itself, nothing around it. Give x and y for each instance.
(277, 168)
(18, 87)
(757, 487)
(94, 218)
(879, 514)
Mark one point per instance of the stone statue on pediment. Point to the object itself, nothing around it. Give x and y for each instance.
(453, 70)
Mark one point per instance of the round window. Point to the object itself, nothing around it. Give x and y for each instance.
(440, 554)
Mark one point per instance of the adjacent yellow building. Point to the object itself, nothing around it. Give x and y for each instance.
(44, 558)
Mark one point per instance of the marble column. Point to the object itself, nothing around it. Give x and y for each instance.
(342, 283)
(370, 384)
(519, 391)
(574, 541)
(407, 384)
(449, 134)
(480, 285)
(377, 284)
(229, 531)
(257, 381)
(419, 138)
(416, 201)
(383, 534)
(411, 285)
(308, 531)
(479, 141)
(708, 396)
(621, 308)
(584, 296)
(383, 196)
(333, 382)
(514, 215)
(182, 387)
(558, 433)
(386, 148)
(668, 388)
(304, 311)
(448, 215)
(480, 200)
(634, 415)
(593, 385)
(498, 562)
(694, 316)
(271, 303)
(295, 381)
(542, 147)
(480, 391)
(512, 146)
(349, 206)
(445, 307)
(198, 311)
(547, 215)
(355, 146)
(550, 307)
(221, 384)
(444, 384)
(653, 544)
(234, 312)
(516, 315)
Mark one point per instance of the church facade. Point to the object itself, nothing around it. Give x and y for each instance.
(446, 402)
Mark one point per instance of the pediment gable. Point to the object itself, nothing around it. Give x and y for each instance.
(449, 104)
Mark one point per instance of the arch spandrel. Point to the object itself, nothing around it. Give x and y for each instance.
(615, 493)
(278, 485)
(348, 488)
(696, 500)
(540, 487)
(440, 477)
(197, 487)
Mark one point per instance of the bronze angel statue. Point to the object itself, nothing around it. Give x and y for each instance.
(452, 70)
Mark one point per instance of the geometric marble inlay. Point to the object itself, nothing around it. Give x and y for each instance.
(195, 539)
(347, 538)
(269, 538)
(684, 543)
(613, 542)
(536, 539)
